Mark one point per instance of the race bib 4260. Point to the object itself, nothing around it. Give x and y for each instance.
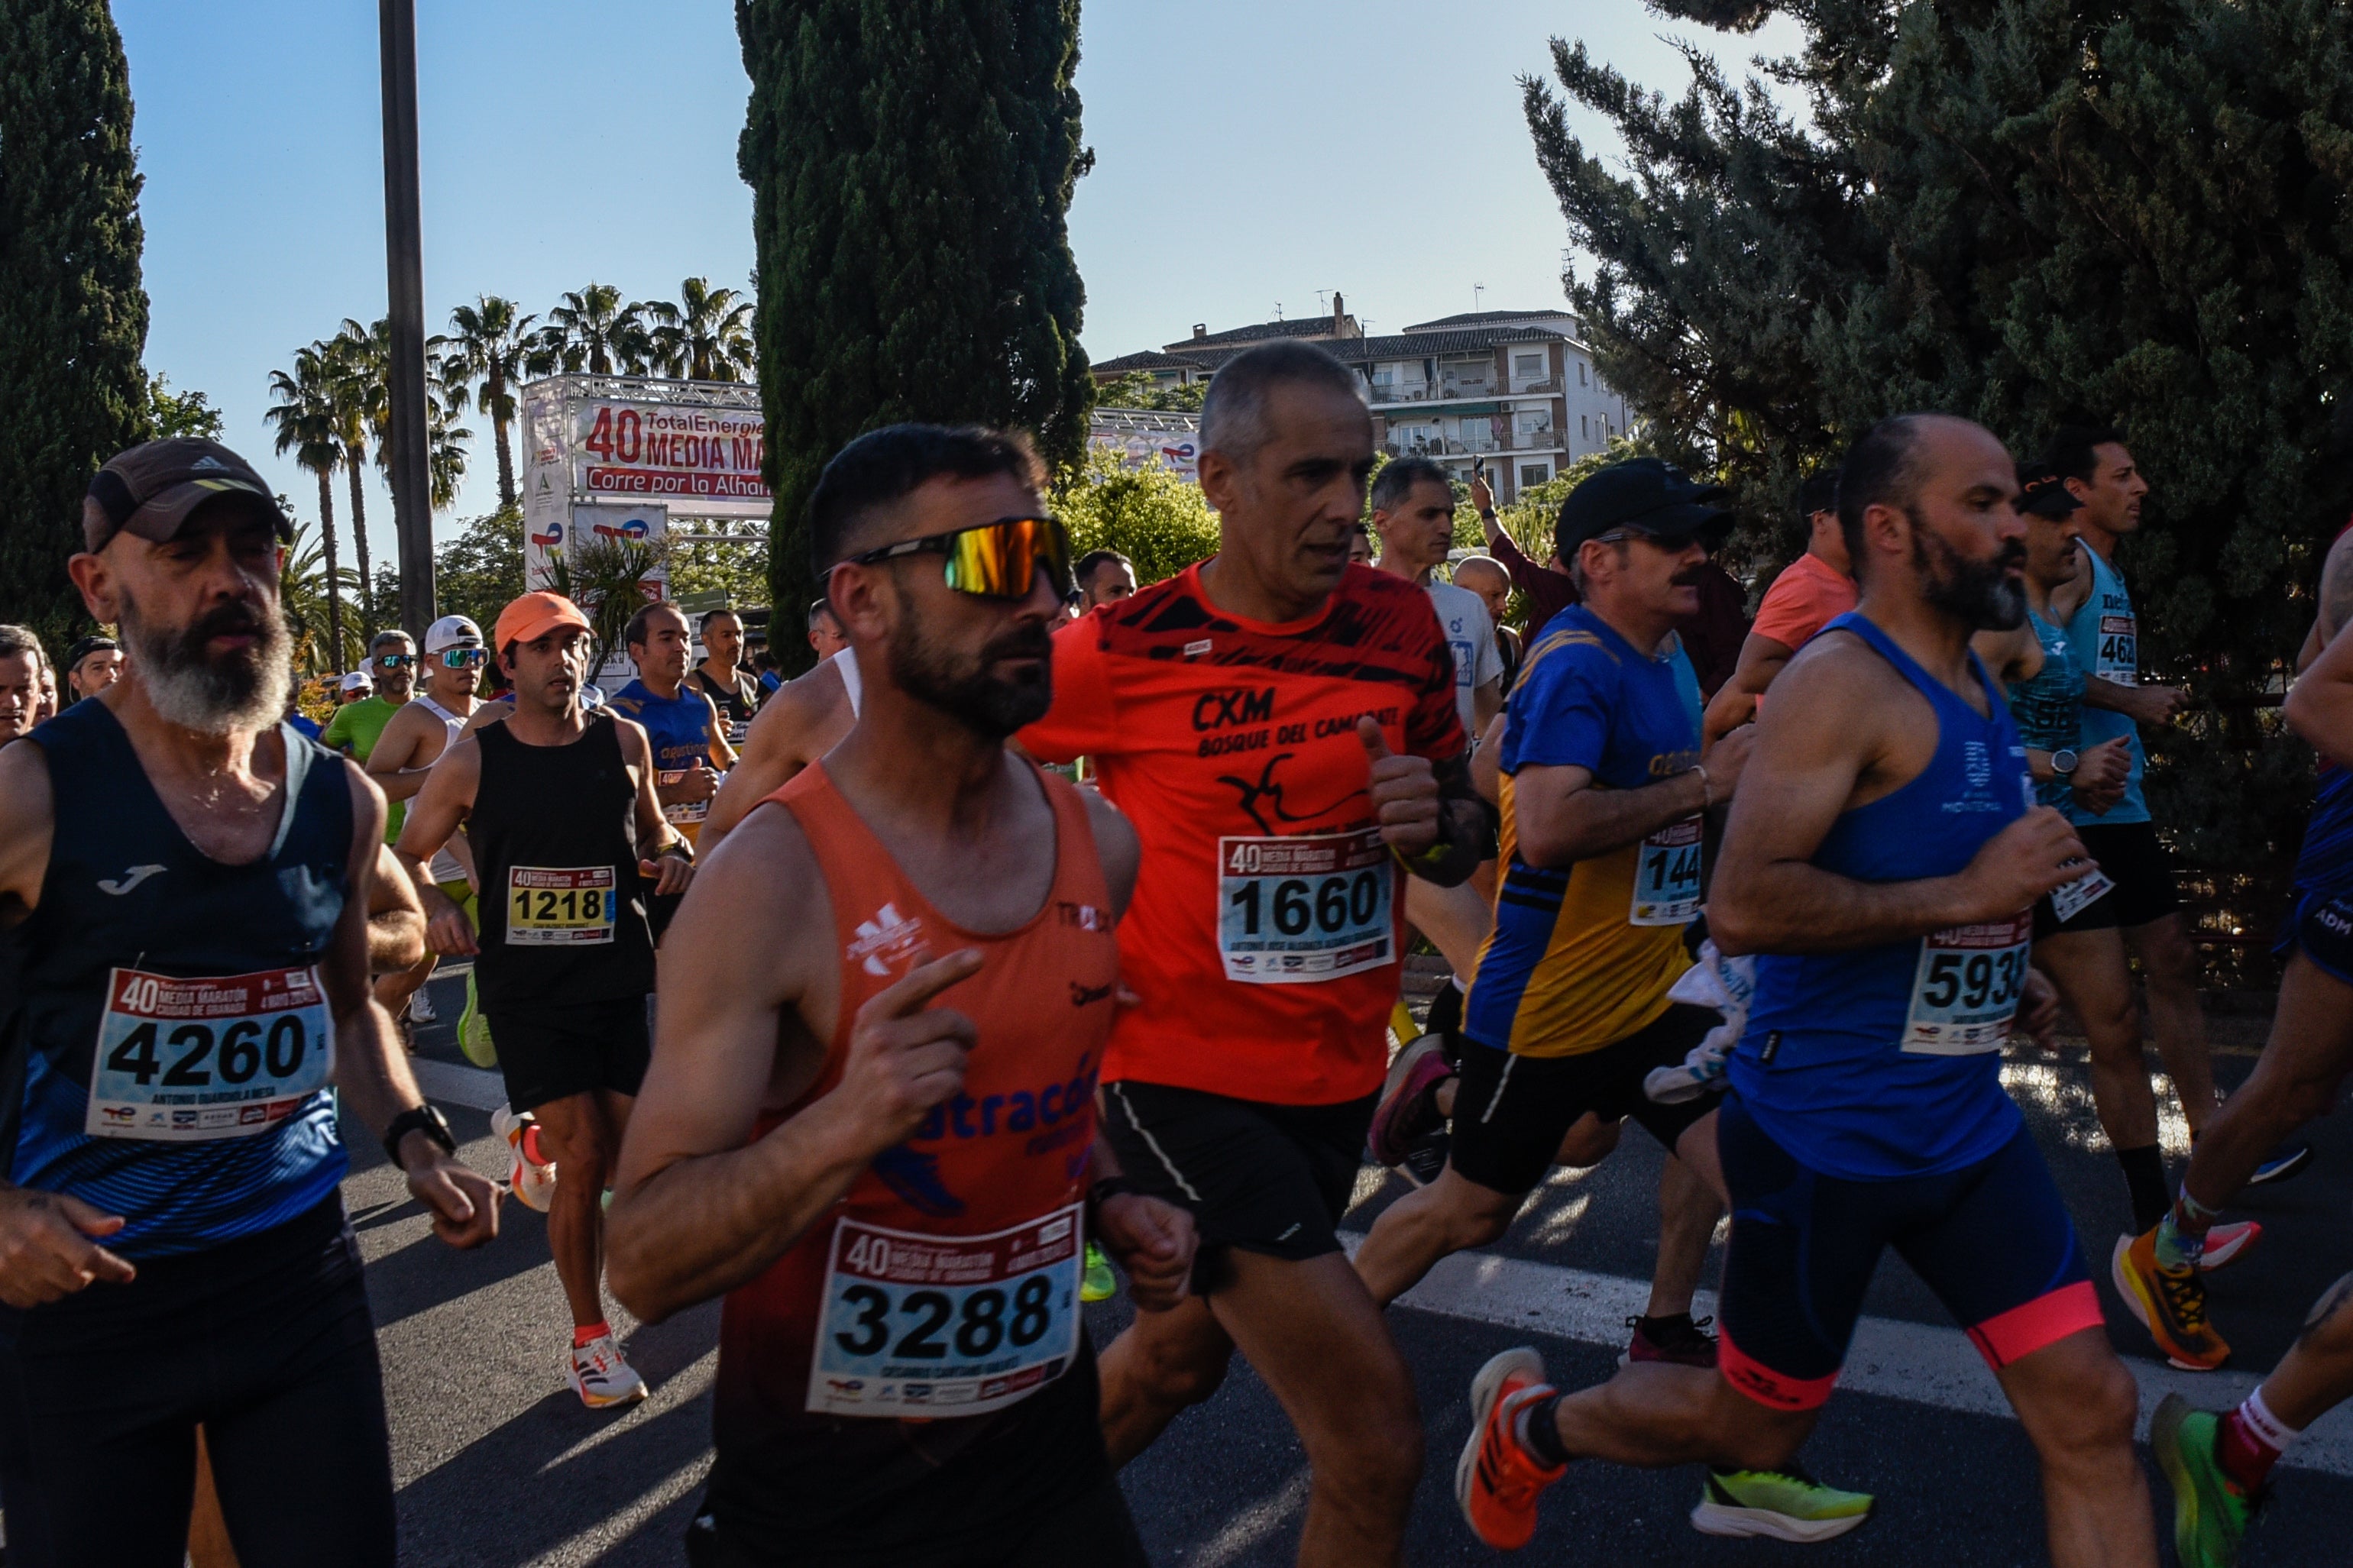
(185, 1060)
(1965, 991)
(1311, 908)
(953, 1325)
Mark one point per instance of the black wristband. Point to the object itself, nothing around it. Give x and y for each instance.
(424, 1119)
(1110, 1187)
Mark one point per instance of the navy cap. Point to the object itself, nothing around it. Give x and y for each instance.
(2044, 495)
(1649, 495)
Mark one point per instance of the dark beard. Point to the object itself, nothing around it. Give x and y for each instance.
(970, 696)
(1980, 592)
(242, 690)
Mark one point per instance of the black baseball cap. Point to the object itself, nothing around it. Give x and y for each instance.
(2045, 494)
(151, 489)
(83, 648)
(1649, 495)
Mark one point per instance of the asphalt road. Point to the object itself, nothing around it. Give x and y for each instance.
(498, 1464)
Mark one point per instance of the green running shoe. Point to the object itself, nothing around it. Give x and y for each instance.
(2210, 1509)
(474, 1030)
(1098, 1283)
(1785, 1505)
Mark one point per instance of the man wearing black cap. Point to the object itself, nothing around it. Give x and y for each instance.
(1603, 793)
(92, 664)
(191, 882)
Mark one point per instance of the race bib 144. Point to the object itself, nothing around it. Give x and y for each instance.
(1666, 876)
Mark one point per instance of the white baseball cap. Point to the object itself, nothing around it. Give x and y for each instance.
(358, 680)
(451, 631)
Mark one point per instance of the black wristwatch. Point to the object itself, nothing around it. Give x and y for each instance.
(424, 1119)
(2063, 763)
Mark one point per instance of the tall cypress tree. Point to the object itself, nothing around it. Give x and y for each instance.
(73, 316)
(911, 164)
(2028, 212)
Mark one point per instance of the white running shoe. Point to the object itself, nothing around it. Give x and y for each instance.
(420, 1007)
(601, 1378)
(531, 1176)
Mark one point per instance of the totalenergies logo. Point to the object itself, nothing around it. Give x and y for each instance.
(552, 540)
(633, 529)
(1180, 453)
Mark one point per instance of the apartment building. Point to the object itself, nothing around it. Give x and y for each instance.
(1513, 390)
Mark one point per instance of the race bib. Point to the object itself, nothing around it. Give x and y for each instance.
(2118, 658)
(683, 811)
(952, 1325)
(1313, 908)
(1466, 661)
(2072, 899)
(738, 731)
(560, 906)
(1666, 876)
(1964, 992)
(185, 1060)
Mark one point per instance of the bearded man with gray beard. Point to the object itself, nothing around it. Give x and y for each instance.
(184, 886)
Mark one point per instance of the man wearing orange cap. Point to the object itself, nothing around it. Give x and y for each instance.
(570, 846)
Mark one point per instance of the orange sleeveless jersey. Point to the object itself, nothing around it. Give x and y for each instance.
(873, 1312)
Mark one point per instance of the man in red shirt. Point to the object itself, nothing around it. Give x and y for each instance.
(1812, 590)
(1280, 725)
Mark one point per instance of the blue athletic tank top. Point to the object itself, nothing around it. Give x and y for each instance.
(2049, 708)
(2325, 865)
(1886, 1061)
(205, 1149)
(679, 728)
(2105, 636)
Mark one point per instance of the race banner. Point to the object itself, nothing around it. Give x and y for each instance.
(707, 458)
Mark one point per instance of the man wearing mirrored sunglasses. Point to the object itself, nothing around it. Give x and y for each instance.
(1282, 728)
(411, 743)
(391, 670)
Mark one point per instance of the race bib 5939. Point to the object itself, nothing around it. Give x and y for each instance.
(1966, 989)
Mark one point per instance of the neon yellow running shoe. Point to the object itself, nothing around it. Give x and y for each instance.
(1784, 1505)
(1098, 1283)
(474, 1030)
(2210, 1509)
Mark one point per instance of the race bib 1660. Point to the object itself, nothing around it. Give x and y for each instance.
(1311, 908)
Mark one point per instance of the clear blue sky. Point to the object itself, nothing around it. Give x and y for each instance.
(1248, 155)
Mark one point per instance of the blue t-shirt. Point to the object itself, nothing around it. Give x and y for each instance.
(1581, 957)
(2106, 639)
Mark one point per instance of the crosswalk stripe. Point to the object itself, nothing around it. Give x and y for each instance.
(1923, 1363)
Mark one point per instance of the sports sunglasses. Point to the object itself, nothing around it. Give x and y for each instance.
(995, 559)
(464, 658)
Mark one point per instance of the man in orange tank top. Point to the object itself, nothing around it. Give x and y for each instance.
(893, 1193)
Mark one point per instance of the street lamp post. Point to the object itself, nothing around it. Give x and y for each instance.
(404, 244)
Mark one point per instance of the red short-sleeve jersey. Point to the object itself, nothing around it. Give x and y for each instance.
(1265, 931)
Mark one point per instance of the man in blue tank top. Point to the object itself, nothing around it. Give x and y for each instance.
(691, 749)
(2310, 1051)
(1883, 858)
(185, 886)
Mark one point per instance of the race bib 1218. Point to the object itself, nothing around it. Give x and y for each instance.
(560, 906)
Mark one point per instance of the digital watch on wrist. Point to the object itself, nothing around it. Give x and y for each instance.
(424, 1119)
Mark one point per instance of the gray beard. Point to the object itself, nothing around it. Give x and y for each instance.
(246, 691)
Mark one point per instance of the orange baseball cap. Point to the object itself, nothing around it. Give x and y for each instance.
(534, 616)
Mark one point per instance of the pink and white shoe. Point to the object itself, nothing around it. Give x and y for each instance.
(2226, 1244)
(531, 1176)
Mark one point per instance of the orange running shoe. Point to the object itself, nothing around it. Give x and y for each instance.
(1497, 1481)
(2169, 1302)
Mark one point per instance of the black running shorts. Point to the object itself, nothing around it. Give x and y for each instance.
(1266, 1178)
(1511, 1111)
(552, 1050)
(2139, 867)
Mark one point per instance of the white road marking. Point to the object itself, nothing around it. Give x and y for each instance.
(464, 1086)
(1921, 1362)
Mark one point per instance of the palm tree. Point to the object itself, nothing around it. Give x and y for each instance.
(595, 331)
(305, 582)
(358, 357)
(707, 336)
(445, 439)
(490, 342)
(305, 419)
(601, 576)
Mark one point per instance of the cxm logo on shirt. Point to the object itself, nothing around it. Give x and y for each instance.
(885, 941)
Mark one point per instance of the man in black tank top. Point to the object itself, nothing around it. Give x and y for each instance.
(570, 846)
(185, 886)
(721, 675)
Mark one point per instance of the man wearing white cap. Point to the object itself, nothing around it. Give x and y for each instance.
(353, 686)
(411, 742)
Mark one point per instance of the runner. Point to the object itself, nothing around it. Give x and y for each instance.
(189, 886)
(2310, 1050)
(825, 636)
(355, 687)
(1812, 590)
(46, 708)
(412, 739)
(821, 1144)
(1603, 794)
(92, 664)
(733, 689)
(1105, 577)
(1484, 575)
(2077, 940)
(683, 725)
(2219, 1465)
(2098, 471)
(1882, 856)
(21, 662)
(355, 727)
(559, 805)
(1280, 728)
(805, 719)
(1413, 512)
